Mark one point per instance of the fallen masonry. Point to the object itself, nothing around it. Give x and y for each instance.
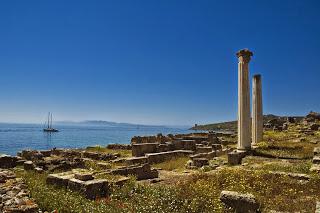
(241, 203)
(91, 189)
(14, 195)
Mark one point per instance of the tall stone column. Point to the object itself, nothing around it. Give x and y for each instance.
(257, 113)
(244, 120)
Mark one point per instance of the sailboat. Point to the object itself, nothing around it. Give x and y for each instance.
(49, 125)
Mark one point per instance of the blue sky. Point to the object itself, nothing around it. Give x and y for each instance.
(154, 62)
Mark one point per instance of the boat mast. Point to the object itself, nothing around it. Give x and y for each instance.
(48, 119)
(51, 121)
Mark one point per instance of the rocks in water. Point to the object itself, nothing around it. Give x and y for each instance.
(240, 203)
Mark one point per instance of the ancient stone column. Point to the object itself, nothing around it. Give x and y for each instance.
(257, 114)
(244, 120)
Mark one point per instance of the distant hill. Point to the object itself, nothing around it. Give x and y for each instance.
(232, 125)
(104, 123)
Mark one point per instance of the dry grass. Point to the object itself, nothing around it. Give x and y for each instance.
(173, 164)
(123, 153)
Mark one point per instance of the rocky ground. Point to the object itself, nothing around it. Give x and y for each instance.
(14, 194)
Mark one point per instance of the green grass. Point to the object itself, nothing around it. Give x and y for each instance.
(294, 166)
(286, 149)
(123, 153)
(199, 193)
(173, 164)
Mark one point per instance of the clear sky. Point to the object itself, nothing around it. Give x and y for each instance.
(154, 62)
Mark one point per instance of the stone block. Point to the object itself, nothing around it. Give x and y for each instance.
(235, 157)
(216, 147)
(120, 182)
(317, 207)
(178, 144)
(141, 172)
(240, 203)
(83, 176)
(139, 150)
(204, 149)
(189, 144)
(61, 180)
(46, 153)
(316, 159)
(136, 160)
(163, 156)
(91, 189)
(7, 161)
(104, 165)
(28, 165)
(200, 162)
(316, 151)
(208, 155)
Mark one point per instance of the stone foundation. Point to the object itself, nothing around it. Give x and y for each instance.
(163, 156)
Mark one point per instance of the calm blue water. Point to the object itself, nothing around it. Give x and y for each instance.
(16, 137)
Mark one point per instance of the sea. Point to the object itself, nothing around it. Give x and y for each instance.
(17, 137)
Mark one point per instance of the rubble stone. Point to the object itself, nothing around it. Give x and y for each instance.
(240, 203)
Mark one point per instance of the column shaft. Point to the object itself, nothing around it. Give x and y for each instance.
(257, 110)
(244, 121)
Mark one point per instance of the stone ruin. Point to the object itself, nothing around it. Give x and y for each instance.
(197, 146)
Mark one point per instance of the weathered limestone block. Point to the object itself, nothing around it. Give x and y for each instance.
(59, 179)
(142, 172)
(178, 144)
(317, 207)
(189, 144)
(216, 147)
(240, 203)
(46, 153)
(83, 176)
(314, 127)
(91, 189)
(316, 159)
(104, 165)
(119, 146)
(235, 157)
(200, 162)
(197, 139)
(167, 146)
(163, 156)
(141, 149)
(136, 160)
(204, 149)
(213, 138)
(145, 139)
(28, 165)
(31, 155)
(7, 161)
(208, 155)
(316, 151)
(315, 168)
